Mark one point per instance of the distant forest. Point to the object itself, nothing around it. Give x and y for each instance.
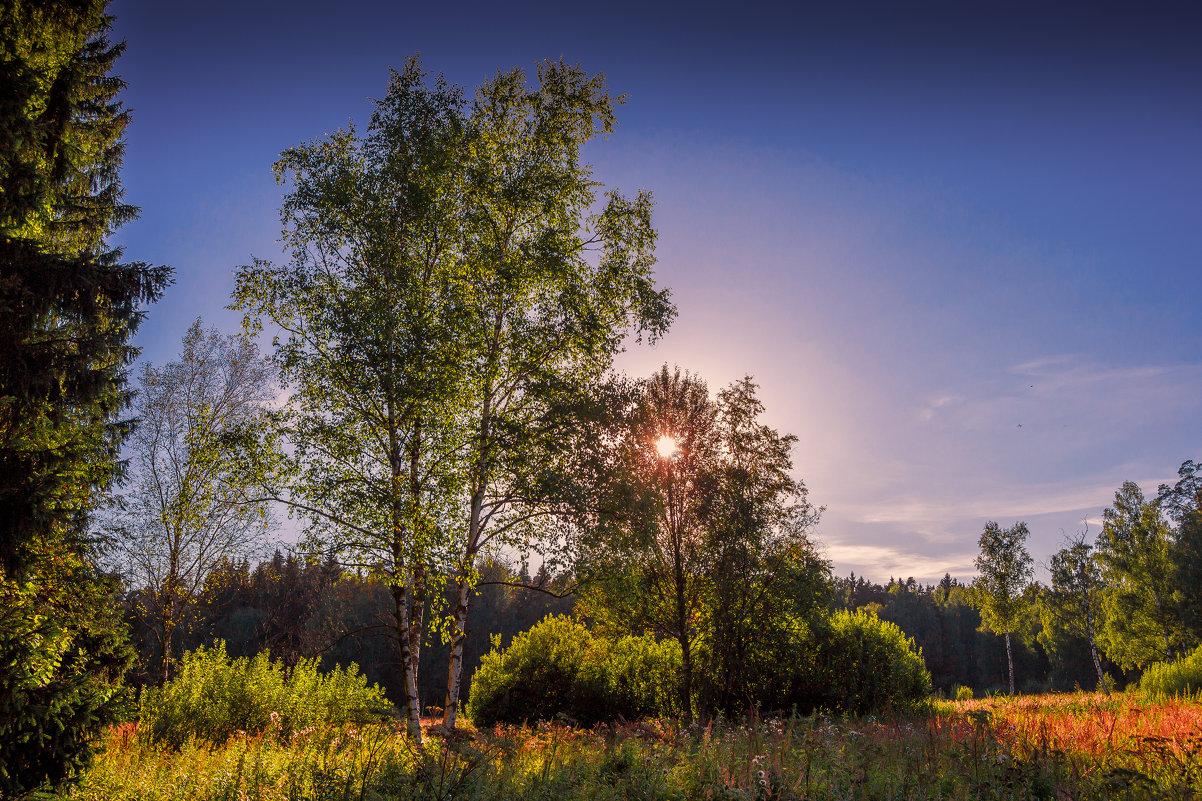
(299, 609)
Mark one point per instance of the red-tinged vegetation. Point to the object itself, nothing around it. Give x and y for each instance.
(1093, 725)
(1047, 747)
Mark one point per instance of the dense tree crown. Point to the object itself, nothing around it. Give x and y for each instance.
(68, 307)
(1073, 604)
(707, 543)
(1135, 549)
(450, 281)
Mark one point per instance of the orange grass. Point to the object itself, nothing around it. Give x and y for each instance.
(1114, 730)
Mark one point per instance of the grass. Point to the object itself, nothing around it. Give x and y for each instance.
(1055, 747)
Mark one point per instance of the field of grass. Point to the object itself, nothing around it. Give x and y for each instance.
(1055, 747)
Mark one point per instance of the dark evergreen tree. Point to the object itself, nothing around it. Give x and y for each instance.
(68, 306)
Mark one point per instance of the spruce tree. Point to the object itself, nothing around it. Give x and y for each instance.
(68, 307)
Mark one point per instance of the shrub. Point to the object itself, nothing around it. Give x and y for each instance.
(635, 677)
(866, 664)
(963, 692)
(213, 698)
(558, 669)
(1178, 677)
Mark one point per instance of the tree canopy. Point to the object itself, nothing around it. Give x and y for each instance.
(1005, 569)
(449, 279)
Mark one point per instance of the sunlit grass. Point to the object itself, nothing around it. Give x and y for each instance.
(1098, 732)
(1073, 746)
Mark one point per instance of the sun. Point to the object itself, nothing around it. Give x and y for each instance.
(667, 446)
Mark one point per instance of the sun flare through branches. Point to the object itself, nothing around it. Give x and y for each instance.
(667, 446)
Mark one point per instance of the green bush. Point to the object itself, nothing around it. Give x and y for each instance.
(1179, 677)
(963, 693)
(213, 698)
(636, 677)
(866, 664)
(558, 669)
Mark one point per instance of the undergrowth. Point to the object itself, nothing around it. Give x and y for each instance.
(1079, 747)
(213, 697)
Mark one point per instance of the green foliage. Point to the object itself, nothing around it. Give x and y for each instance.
(1000, 590)
(453, 275)
(1140, 614)
(634, 676)
(213, 698)
(68, 308)
(708, 546)
(1182, 502)
(963, 693)
(61, 661)
(1179, 677)
(192, 501)
(865, 664)
(559, 669)
(69, 305)
(1005, 567)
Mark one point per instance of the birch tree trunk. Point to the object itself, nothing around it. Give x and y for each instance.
(1093, 652)
(412, 710)
(1010, 662)
(455, 667)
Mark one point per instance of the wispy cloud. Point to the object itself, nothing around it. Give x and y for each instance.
(878, 560)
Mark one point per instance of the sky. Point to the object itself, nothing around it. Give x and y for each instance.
(956, 244)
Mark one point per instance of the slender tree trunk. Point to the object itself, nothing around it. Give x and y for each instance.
(462, 605)
(680, 589)
(474, 526)
(455, 668)
(168, 631)
(1010, 662)
(1093, 652)
(401, 605)
(417, 622)
(170, 590)
(686, 680)
(686, 658)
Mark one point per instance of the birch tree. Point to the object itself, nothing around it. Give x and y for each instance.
(1005, 570)
(191, 503)
(698, 531)
(1073, 604)
(370, 310)
(557, 284)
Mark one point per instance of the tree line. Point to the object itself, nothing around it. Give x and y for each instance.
(1111, 607)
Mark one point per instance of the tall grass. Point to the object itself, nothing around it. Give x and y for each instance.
(980, 749)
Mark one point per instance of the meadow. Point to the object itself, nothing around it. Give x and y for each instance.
(1069, 746)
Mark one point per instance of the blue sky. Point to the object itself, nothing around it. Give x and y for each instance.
(957, 244)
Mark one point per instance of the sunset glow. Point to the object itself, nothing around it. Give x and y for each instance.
(666, 446)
